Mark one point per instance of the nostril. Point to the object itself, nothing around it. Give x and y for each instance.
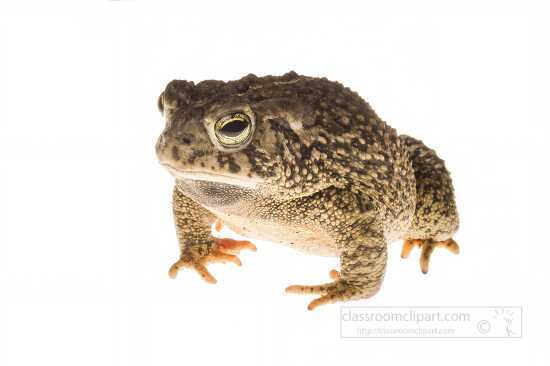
(185, 140)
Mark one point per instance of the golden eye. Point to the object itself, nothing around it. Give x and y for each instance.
(233, 129)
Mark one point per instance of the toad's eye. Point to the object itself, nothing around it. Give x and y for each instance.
(233, 130)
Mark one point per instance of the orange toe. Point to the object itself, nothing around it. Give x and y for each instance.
(234, 246)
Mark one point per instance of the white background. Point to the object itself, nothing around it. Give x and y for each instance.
(86, 233)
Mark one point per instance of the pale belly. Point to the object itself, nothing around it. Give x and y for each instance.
(300, 238)
(234, 205)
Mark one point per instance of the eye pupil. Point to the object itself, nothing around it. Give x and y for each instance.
(234, 128)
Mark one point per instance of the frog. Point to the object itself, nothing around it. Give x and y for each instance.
(305, 162)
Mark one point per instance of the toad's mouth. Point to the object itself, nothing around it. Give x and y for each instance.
(209, 176)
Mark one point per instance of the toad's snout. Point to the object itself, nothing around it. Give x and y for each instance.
(174, 150)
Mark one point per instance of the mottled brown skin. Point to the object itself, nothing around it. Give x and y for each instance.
(320, 172)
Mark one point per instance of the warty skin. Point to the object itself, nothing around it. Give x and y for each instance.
(305, 162)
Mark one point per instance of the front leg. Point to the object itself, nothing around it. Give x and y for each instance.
(197, 245)
(363, 264)
(352, 222)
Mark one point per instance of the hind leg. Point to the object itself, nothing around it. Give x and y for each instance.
(436, 218)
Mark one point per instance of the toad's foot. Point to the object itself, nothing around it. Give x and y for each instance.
(331, 292)
(427, 246)
(223, 251)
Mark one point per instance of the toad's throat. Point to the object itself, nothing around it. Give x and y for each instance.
(215, 194)
(215, 190)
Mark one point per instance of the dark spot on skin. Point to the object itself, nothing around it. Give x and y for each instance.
(194, 155)
(241, 87)
(306, 153)
(175, 153)
(234, 167)
(202, 164)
